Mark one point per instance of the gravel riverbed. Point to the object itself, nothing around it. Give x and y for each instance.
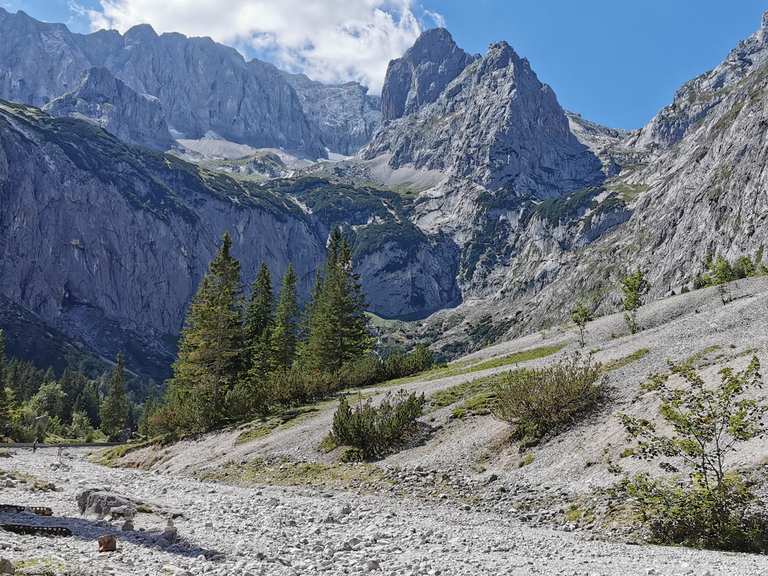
(228, 530)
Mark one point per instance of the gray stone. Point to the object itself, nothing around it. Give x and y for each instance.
(110, 103)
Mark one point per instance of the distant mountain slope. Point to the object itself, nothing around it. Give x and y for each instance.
(107, 242)
(203, 86)
(495, 125)
(344, 115)
(692, 183)
(134, 118)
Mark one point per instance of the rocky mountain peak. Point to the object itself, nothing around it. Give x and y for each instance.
(700, 97)
(140, 33)
(494, 124)
(422, 73)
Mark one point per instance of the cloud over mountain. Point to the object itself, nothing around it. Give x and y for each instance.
(330, 41)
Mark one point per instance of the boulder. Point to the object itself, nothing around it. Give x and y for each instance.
(103, 502)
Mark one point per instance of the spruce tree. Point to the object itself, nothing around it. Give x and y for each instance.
(284, 334)
(258, 324)
(258, 317)
(116, 408)
(87, 402)
(355, 339)
(338, 326)
(211, 350)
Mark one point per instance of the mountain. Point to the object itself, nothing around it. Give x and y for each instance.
(421, 75)
(479, 206)
(203, 87)
(134, 118)
(495, 124)
(107, 242)
(344, 115)
(689, 185)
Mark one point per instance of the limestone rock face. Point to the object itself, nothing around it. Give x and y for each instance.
(107, 243)
(421, 75)
(110, 103)
(692, 183)
(697, 98)
(344, 115)
(495, 125)
(203, 87)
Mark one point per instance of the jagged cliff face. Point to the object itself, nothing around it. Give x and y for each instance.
(504, 145)
(102, 98)
(699, 98)
(344, 115)
(107, 242)
(203, 86)
(494, 125)
(692, 183)
(421, 75)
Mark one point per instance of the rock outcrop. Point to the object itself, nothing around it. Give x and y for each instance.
(495, 125)
(107, 242)
(204, 87)
(344, 115)
(421, 75)
(110, 103)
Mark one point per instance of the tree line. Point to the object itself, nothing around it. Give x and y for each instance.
(241, 357)
(37, 405)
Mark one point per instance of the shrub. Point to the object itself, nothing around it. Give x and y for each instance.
(372, 369)
(376, 430)
(542, 401)
(633, 287)
(581, 316)
(697, 515)
(715, 508)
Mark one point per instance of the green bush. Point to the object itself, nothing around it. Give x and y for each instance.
(374, 430)
(716, 508)
(546, 401)
(716, 517)
(634, 287)
(372, 369)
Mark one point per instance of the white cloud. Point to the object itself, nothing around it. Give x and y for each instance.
(329, 40)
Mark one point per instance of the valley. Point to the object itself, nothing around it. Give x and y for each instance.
(448, 328)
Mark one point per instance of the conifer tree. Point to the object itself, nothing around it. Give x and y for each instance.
(258, 317)
(211, 354)
(284, 334)
(258, 324)
(116, 408)
(87, 402)
(338, 327)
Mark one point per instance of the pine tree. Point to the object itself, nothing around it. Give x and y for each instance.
(284, 334)
(211, 350)
(258, 324)
(338, 326)
(4, 404)
(87, 402)
(258, 317)
(116, 408)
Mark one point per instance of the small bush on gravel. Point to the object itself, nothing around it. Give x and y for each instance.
(375, 430)
(547, 400)
(633, 287)
(716, 508)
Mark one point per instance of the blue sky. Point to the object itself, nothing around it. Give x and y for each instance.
(614, 61)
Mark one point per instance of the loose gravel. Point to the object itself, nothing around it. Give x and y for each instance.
(228, 530)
